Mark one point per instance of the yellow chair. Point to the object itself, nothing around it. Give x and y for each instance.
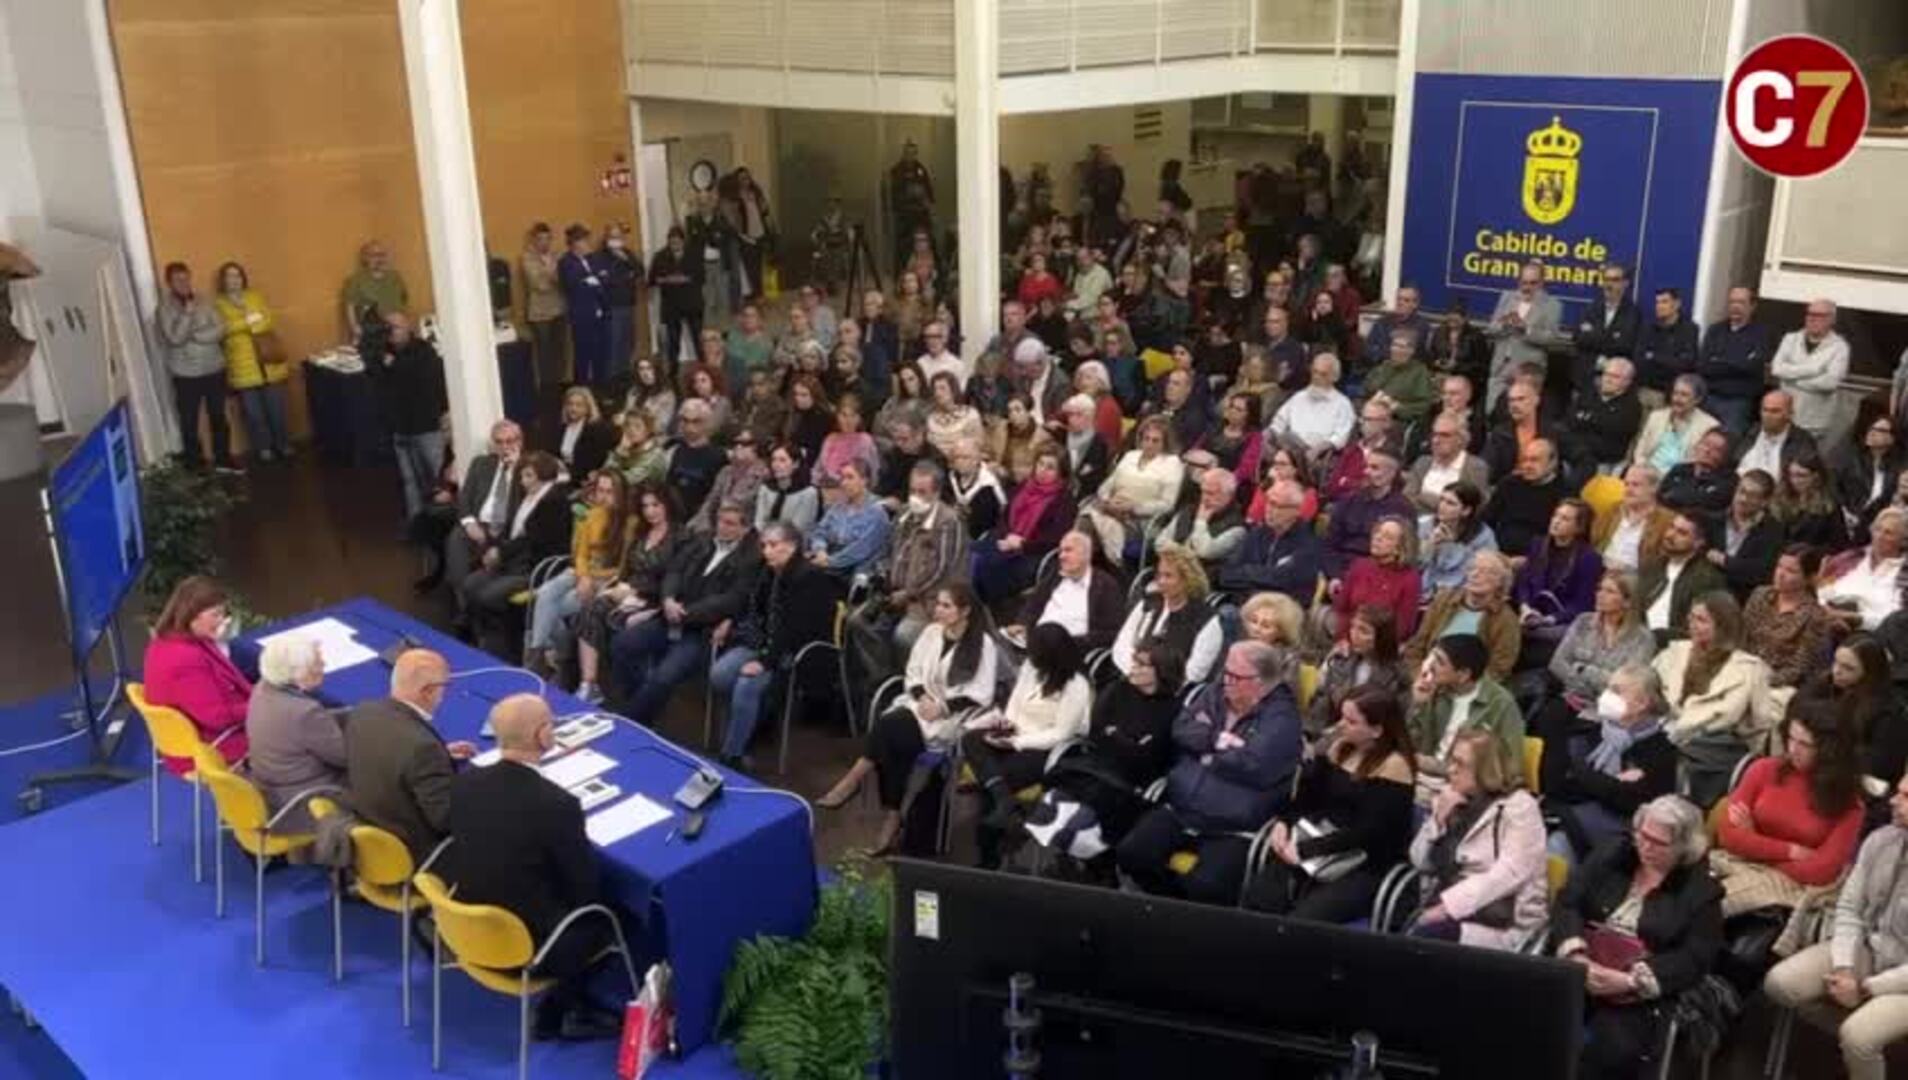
(1556, 872)
(1533, 764)
(243, 813)
(382, 867)
(175, 736)
(1603, 493)
(1307, 685)
(493, 947)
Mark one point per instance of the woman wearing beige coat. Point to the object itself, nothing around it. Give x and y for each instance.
(1720, 705)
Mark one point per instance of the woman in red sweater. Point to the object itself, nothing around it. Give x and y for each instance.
(1388, 577)
(1794, 820)
(1038, 283)
(187, 669)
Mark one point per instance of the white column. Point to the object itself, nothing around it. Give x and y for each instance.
(1402, 102)
(453, 222)
(977, 158)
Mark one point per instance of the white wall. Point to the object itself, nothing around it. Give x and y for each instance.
(1060, 139)
(52, 59)
(19, 184)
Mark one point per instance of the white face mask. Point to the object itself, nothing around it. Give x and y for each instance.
(616, 244)
(227, 630)
(1611, 706)
(919, 505)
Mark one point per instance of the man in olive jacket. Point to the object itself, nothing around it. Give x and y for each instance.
(1454, 693)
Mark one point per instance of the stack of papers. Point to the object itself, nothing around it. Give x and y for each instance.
(337, 642)
(622, 820)
(572, 769)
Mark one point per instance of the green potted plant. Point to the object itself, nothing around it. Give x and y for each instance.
(181, 510)
(816, 1008)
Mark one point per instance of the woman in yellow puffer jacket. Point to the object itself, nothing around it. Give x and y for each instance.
(260, 386)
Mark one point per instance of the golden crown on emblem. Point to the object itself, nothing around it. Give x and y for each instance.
(1554, 141)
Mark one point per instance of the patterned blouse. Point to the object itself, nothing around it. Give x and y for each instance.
(1792, 643)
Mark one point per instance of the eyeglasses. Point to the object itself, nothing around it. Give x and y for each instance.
(1241, 676)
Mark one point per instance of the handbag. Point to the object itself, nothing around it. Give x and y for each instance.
(270, 350)
(1325, 868)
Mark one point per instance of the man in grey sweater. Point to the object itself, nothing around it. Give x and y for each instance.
(191, 336)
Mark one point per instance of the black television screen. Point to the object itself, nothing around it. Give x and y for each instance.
(1139, 986)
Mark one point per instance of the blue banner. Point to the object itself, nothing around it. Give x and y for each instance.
(1576, 172)
(101, 542)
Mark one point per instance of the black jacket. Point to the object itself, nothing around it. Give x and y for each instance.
(1754, 561)
(593, 445)
(410, 386)
(1796, 444)
(1594, 339)
(620, 272)
(1289, 564)
(1087, 476)
(1575, 781)
(545, 532)
(1518, 511)
(1664, 352)
(1681, 921)
(1855, 477)
(1703, 493)
(1500, 447)
(478, 478)
(518, 844)
(678, 298)
(789, 610)
(1699, 577)
(1106, 606)
(398, 773)
(711, 596)
(1602, 429)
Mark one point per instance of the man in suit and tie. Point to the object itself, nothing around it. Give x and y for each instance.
(706, 585)
(485, 505)
(539, 528)
(518, 843)
(397, 767)
(1524, 323)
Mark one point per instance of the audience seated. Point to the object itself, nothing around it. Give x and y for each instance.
(1778, 441)
(1273, 619)
(1792, 823)
(854, 533)
(1283, 555)
(1858, 685)
(1866, 478)
(952, 672)
(1040, 513)
(1210, 529)
(1451, 537)
(1644, 918)
(1094, 795)
(295, 743)
(1704, 484)
(706, 583)
(792, 604)
(1718, 695)
(1862, 587)
(539, 529)
(1015, 441)
(1089, 454)
(1670, 434)
(738, 483)
(1317, 420)
(1446, 464)
(1852, 982)
(1453, 692)
(1173, 612)
(1600, 766)
(1557, 581)
(1745, 541)
(1668, 585)
(1633, 533)
(1455, 394)
(696, 458)
(1521, 424)
(1237, 747)
(597, 543)
(518, 843)
(585, 439)
(1348, 536)
(1604, 420)
(979, 496)
(1285, 463)
(1387, 577)
(1805, 504)
(1007, 749)
(1482, 846)
(633, 595)
(1143, 484)
(845, 444)
(1350, 820)
(399, 767)
(928, 550)
(1376, 431)
(1237, 440)
(1523, 503)
(1085, 600)
(1402, 381)
(1609, 636)
(1784, 624)
(187, 669)
(1365, 660)
(1481, 607)
(638, 455)
(486, 504)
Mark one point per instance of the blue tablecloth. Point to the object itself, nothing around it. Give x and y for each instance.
(751, 872)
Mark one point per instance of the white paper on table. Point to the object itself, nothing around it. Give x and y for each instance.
(573, 768)
(624, 819)
(337, 642)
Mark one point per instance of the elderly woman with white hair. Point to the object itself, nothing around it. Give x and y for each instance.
(1860, 587)
(1644, 918)
(296, 743)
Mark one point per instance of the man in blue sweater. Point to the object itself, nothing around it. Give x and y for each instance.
(1281, 555)
(1734, 361)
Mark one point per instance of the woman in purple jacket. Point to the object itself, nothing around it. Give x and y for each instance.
(1557, 582)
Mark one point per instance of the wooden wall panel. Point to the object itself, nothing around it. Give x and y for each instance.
(279, 134)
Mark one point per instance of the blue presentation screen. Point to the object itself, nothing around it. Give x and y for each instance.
(95, 499)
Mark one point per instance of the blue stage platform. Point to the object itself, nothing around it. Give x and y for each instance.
(116, 951)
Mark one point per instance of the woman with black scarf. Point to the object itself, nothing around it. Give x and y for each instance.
(786, 495)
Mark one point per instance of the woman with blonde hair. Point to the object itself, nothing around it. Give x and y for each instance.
(255, 363)
(1143, 484)
(585, 439)
(1483, 846)
(1718, 693)
(1174, 611)
(1273, 618)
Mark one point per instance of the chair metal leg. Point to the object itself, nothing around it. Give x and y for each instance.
(218, 870)
(258, 895)
(198, 829)
(1669, 1051)
(337, 926)
(788, 715)
(404, 953)
(1778, 1059)
(155, 798)
(437, 998)
(523, 1028)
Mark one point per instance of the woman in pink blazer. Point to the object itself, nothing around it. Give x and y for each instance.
(188, 671)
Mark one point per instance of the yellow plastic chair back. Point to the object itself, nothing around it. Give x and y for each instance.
(1182, 862)
(1307, 685)
(1603, 493)
(1155, 363)
(379, 861)
(242, 807)
(491, 945)
(1556, 872)
(1533, 764)
(173, 734)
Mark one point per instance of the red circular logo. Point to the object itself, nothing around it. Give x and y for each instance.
(1796, 106)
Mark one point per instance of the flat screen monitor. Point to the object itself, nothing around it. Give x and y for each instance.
(1139, 986)
(98, 536)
